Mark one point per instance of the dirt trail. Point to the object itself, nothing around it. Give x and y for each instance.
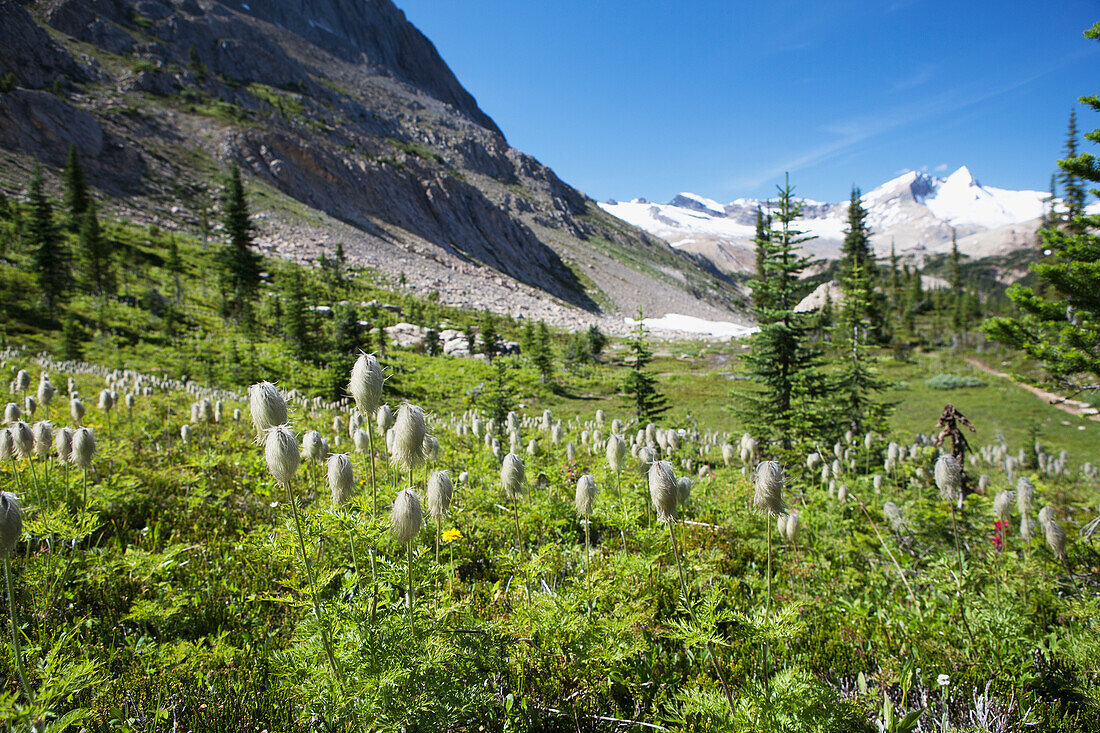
(1073, 407)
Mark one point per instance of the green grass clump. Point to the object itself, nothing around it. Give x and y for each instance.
(953, 381)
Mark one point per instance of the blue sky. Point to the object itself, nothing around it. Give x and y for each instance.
(651, 97)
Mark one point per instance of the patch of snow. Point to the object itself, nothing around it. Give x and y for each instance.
(322, 26)
(691, 324)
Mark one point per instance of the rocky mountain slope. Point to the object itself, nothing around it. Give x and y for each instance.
(915, 212)
(352, 129)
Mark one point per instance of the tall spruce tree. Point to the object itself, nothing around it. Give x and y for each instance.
(640, 386)
(784, 362)
(76, 190)
(958, 297)
(1074, 192)
(490, 338)
(241, 264)
(297, 327)
(50, 256)
(542, 355)
(760, 239)
(856, 253)
(94, 253)
(1062, 328)
(857, 383)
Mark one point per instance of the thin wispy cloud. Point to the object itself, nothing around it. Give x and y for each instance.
(848, 134)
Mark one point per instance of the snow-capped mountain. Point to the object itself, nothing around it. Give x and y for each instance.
(915, 211)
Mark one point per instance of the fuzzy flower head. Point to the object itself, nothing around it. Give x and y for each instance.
(341, 478)
(616, 452)
(267, 406)
(440, 491)
(663, 490)
(12, 413)
(768, 489)
(23, 437)
(23, 380)
(512, 476)
(385, 418)
(281, 454)
(83, 448)
(1025, 495)
(949, 478)
(314, 446)
(43, 438)
(45, 391)
(63, 445)
(585, 496)
(409, 432)
(1002, 504)
(361, 440)
(106, 400)
(76, 410)
(11, 523)
(186, 433)
(1056, 538)
(683, 489)
(407, 518)
(792, 527)
(366, 384)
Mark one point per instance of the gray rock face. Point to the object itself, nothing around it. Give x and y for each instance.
(29, 53)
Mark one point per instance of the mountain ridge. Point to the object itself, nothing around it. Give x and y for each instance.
(914, 212)
(351, 129)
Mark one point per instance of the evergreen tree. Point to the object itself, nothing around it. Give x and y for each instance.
(761, 239)
(527, 338)
(856, 253)
(1074, 197)
(50, 257)
(72, 338)
(1062, 329)
(895, 281)
(240, 262)
(542, 356)
(500, 398)
(76, 190)
(432, 343)
(641, 386)
(345, 330)
(783, 361)
(94, 251)
(490, 339)
(174, 265)
(297, 327)
(856, 381)
(597, 342)
(958, 313)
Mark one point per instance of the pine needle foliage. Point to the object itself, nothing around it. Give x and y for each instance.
(784, 361)
(640, 386)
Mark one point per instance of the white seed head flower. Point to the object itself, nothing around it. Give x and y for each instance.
(768, 485)
(7, 445)
(585, 496)
(464, 478)
(76, 410)
(943, 680)
(512, 476)
(341, 478)
(267, 406)
(781, 524)
(281, 453)
(12, 412)
(440, 491)
(366, 384)
(43, 438)
(29, 406)
(186, 433)
(894, 516)
(409, 432)
(948, 478)
(45, 392)
(1002, 504)
(792, 527)
(663, 490)
(63, 445)
(23, 439)
(314, 446)
(385, 418)
(361, 440)
(129, 400)
(22, 380)
(106, 400)
(1056, 538)
(616, 452)
(842, 494)
(683, 489)
(1045, 515)
(1025, 495)
(533, 447)
(431, 448)
(11, 523)
(83, 450)
(876, 482)
(337, 424)
(407, 518)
